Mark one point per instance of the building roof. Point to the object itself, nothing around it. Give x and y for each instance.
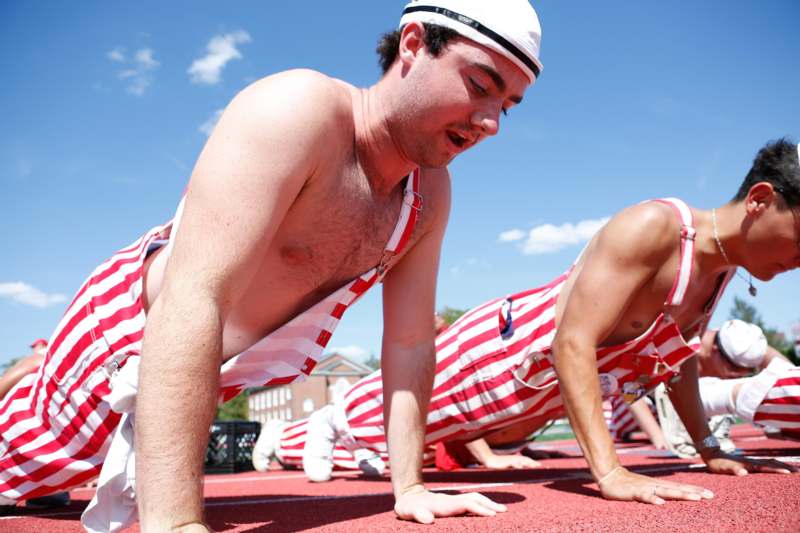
(338, 365)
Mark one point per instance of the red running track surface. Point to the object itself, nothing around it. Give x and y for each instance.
(559, 496)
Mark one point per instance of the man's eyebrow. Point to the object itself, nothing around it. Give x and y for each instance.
(497, 79)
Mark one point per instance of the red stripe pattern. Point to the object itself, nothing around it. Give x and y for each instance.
(55, 424)
(781, 406)
(486, 380)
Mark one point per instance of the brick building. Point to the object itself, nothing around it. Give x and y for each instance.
(327, 382)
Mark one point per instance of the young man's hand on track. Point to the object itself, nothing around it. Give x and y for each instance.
(424, 506)
(720, 462)
(518, 461)
(629, 486)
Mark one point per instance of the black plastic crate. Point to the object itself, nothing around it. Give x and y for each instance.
(230, 446)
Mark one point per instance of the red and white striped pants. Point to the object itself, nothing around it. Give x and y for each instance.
(780, 407)
(55, 425)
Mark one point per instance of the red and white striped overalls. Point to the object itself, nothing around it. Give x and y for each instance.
(56, 425)
(486, 379)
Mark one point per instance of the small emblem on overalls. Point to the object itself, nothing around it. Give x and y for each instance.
(608, 384)
(631, 392)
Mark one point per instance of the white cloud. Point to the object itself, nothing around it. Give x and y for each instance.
(29, 295)
(547, 238)
(138, 70)
(354, 352)
(207, 127)
(512, 235)
(221, 49)
(117, 55)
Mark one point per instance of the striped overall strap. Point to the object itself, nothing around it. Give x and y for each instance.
(688, 232)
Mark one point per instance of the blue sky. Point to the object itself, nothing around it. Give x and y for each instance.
(106, 105)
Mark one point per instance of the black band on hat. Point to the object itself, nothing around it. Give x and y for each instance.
(477, 26)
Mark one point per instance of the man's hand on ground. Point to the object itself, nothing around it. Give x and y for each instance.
(628, 486)
(518, 461)
(720, 462)
(424, 506)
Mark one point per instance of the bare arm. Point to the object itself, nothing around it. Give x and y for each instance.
(408, 363)
(644, 417)
(613, 272)
(770, 356)
(21, 368)
(408, 356)
(243, 184)
(685, 397)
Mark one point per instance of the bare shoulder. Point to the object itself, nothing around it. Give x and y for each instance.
(648, 231)
(297, 103)
(435, 190)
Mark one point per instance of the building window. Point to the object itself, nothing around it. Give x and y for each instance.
(282, 395)
(268, 399)
(289, 393)
(308, 405)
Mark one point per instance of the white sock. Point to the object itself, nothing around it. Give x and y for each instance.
(717, 395)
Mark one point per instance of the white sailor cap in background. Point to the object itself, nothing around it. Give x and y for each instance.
(743, 344)
(509, 27)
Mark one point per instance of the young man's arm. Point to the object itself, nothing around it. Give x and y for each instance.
(19, 370)
(408, 363)
(626, 254)
(648, 423)
(685, 397)
(264, 149)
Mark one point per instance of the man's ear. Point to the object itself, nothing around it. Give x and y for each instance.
(411, 43)
(759, 198)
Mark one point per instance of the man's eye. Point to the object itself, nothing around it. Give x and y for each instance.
(505, 112)
(477, 86)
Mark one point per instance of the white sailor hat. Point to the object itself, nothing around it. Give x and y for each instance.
(743, 344)
(509, 27)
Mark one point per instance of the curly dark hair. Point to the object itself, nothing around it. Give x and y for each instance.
(776, 163)
(435, 40)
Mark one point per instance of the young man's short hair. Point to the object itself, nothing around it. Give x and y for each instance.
(435, 39)
(776, 163)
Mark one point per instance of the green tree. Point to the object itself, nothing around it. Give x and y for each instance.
(234, 409)
(374, 362)
(748, 313)
(8, 364)
(451, 314)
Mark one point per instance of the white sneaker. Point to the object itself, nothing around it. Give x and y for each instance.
(267, 443)
(320, 443)
(720, 426)
(369, 462)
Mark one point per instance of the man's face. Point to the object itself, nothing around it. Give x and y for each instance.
(456, 99)
(713, 363)
(773, 241)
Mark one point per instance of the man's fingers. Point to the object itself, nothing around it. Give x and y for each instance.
(476, 507)
(647, 494)
(423, 515)
(486, 502)
(675, 493)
